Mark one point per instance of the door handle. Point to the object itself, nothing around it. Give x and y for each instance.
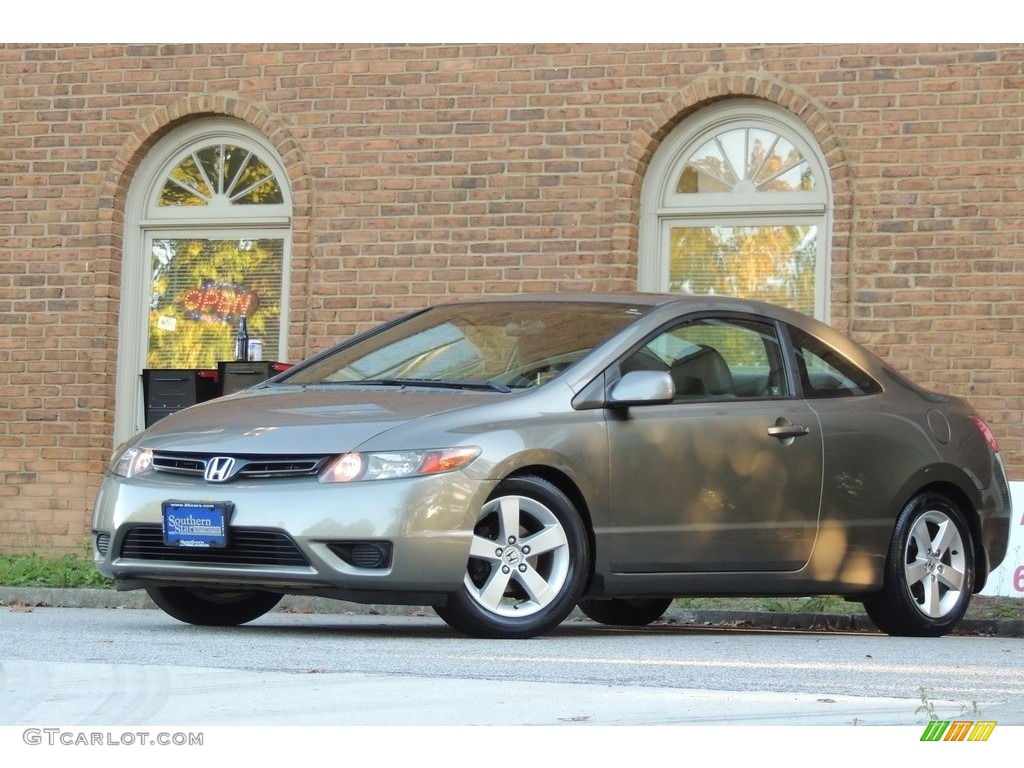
(786, 432)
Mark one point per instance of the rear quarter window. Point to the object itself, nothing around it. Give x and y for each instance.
(825, 373)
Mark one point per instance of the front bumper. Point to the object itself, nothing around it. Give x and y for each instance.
(296, 536)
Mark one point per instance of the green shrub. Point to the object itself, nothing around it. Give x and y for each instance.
(37, 571)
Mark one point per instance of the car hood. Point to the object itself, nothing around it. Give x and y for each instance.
(300, 421)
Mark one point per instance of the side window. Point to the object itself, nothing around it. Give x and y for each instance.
(716, 358)
(825, 373)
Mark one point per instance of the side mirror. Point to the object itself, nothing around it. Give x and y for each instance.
(642, 388)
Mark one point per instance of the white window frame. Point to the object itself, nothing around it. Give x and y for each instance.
(662, 208)
(146, 221)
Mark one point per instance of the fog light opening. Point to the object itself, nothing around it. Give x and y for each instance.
(363, 554)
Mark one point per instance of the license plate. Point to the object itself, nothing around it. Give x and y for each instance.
(200, 524)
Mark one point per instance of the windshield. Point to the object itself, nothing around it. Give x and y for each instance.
(500, 346)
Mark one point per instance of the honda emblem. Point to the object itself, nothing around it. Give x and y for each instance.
(219, 469)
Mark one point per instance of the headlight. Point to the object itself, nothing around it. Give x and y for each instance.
(384, 465)
(132, 462)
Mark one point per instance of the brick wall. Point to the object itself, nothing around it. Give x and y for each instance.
(424, 171)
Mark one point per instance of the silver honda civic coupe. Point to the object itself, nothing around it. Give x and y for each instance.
(505, 460)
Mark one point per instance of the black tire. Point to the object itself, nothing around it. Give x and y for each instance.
(626, 612)
(929, 571)
(528, 563)
(209, 608)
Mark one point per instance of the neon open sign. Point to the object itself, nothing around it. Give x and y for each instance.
(220, 301)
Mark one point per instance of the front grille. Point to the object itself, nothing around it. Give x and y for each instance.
(246, 467)
(246, 546)
(281, 467)
(183, 465)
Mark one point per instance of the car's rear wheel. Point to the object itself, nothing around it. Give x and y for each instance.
(211, 608)
(528, 563)
(626, 612)
(929, 572)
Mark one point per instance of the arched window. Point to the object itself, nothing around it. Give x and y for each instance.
(207, 241)
(737, 202)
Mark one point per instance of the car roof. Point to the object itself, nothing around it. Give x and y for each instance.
(686, 302)
(649, 299)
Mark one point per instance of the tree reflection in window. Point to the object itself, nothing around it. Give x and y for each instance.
(746, 160)
(224, 173)
(774, 263)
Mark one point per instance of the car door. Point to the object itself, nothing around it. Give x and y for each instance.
(728, 476)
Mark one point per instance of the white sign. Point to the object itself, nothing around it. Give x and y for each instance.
(167, 323)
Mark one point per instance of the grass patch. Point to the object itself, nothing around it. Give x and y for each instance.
(36, 571)
(824, 604)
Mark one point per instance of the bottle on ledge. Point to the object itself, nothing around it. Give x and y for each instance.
(242, 340)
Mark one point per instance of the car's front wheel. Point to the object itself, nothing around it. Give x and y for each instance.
(929, 573)
(626, 612)
(528, 563)
(211, 608)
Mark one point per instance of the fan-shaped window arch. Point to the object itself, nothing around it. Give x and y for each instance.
(737, 202)
(218, 175)
(207, 241)
(746, 160)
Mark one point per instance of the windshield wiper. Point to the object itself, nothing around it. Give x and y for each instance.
(487, 386)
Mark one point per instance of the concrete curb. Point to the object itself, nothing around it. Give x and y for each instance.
(137, 598)
(109, 598)
(835, 622)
